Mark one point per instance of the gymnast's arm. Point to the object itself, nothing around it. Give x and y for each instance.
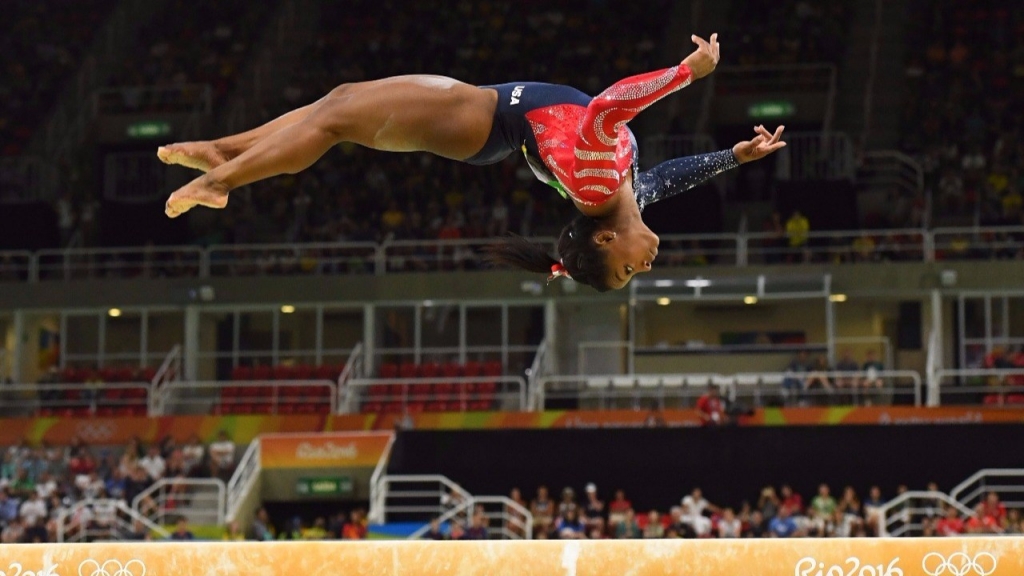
(674, 176)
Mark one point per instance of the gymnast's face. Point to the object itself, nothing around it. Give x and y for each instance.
(628, 252)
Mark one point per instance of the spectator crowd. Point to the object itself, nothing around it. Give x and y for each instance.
(81, 486)
(781, 513)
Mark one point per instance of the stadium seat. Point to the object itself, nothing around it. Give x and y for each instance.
(388, 370)
(242, 373)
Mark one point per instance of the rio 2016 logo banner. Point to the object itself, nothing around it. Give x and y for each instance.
(933, 564)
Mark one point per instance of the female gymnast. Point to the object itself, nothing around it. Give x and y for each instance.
(577, 144)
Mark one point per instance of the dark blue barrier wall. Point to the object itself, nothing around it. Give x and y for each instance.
(657, 467)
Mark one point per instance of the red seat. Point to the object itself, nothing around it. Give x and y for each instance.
(242, 373)
(112, 393)
(46, 412)
(287, 409)
(262, 373)
(430, 370)
(325, 373)
(420, 391)
(393, 408)
(125, 374)
(492, 368)
(284, 373)
(388, 370)
(453, 406)
(472, 369)
(451, 370)
(435, 406)
(147, 374)
(371, 407)
(483, 388)
(380, 390)
(408, 370)
(415, 407)
(480, 406)
(105, 411)
(108, 374)
(321, 408)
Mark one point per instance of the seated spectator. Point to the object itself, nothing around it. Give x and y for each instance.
(516, 519)
(261, 529)
(993, 508)
(233, 532)
(593, 510)
(851, 378)
(791, 499)
(318, 531)
(757, 527)
(849, 520)
(783, 525)
(951, 524)
(872, 367)
(872, 509)
(818, 376)
(701, 524)
(797, 229)
(711, 407)
(677, 525)
(617, 509)
(823, 504)
(139, 532)
(457, 532)
(104, 513)
(729, 526)
(192, 453)
(355, 528)
(698, 504)
(569, 526)
(13, 533)
(628, 527)
(568, 501)
(181, 531)
(982, 523)
(768, 502)
(793, 383)
(654, 528)
(153, 463)
(32, 510)
(543, 510)
(434, 532)
(222, 456)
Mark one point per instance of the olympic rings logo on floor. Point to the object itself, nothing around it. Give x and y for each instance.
(92, 567)
(959, 564)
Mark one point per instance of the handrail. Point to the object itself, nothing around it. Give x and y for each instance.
(958, 491)
(536, 371)
(158, 490)
(378, 493)
(242, 480)
(351, 369)
(170, 370)
(905, 498)
(119, 505)
(915, 244)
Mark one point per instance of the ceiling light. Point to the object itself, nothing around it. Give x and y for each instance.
(287, 309)
(664, 301)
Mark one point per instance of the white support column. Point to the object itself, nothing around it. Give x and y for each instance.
(101, 341)
(462, 334)
(369, 340)
(550, 334)
(936, 352)
(19, 346)
(190, 353)
(144, 339)
(830, 329)
(319, 358)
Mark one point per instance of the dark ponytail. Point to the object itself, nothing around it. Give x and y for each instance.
(576, 249)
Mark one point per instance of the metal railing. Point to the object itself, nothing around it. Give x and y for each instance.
(243, 480)
(199, 500)
(88, 399)
(975, 489)
(400, 395)
(746, 389)
(249, 397)
(987, 386)
(504, 517)
(417, 497)
(78, 522)
(147, 262)
(169, 371)
(903, 515)
(890, 168)
(537, 370)
(724, 249)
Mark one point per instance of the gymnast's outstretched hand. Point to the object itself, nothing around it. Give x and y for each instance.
(762, 145)
(704, 59)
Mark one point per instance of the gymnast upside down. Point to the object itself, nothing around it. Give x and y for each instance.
(577, 144)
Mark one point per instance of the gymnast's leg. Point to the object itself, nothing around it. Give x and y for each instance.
(207, 155)
(402, 114)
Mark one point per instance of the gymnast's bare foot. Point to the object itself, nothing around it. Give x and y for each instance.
(199, 192)
(202, 156)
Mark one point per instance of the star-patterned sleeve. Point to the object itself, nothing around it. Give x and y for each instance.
(674, 176)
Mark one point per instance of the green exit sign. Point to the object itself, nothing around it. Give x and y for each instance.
(148, 129)
(771, 109)
(324, 486)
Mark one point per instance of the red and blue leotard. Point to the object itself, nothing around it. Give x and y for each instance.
(581, 145)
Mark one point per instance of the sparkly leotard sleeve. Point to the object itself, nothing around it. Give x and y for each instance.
(679, 175)
(589, 150)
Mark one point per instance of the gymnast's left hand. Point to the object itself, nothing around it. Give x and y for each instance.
(762, 145)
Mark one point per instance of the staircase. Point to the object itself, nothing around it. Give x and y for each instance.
(73, 524)
(403, 505)
(201, 501)
(903, 515)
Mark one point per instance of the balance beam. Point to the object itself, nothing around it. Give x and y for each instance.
(745, 557)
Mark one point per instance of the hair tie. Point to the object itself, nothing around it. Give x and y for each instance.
(558, 270)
